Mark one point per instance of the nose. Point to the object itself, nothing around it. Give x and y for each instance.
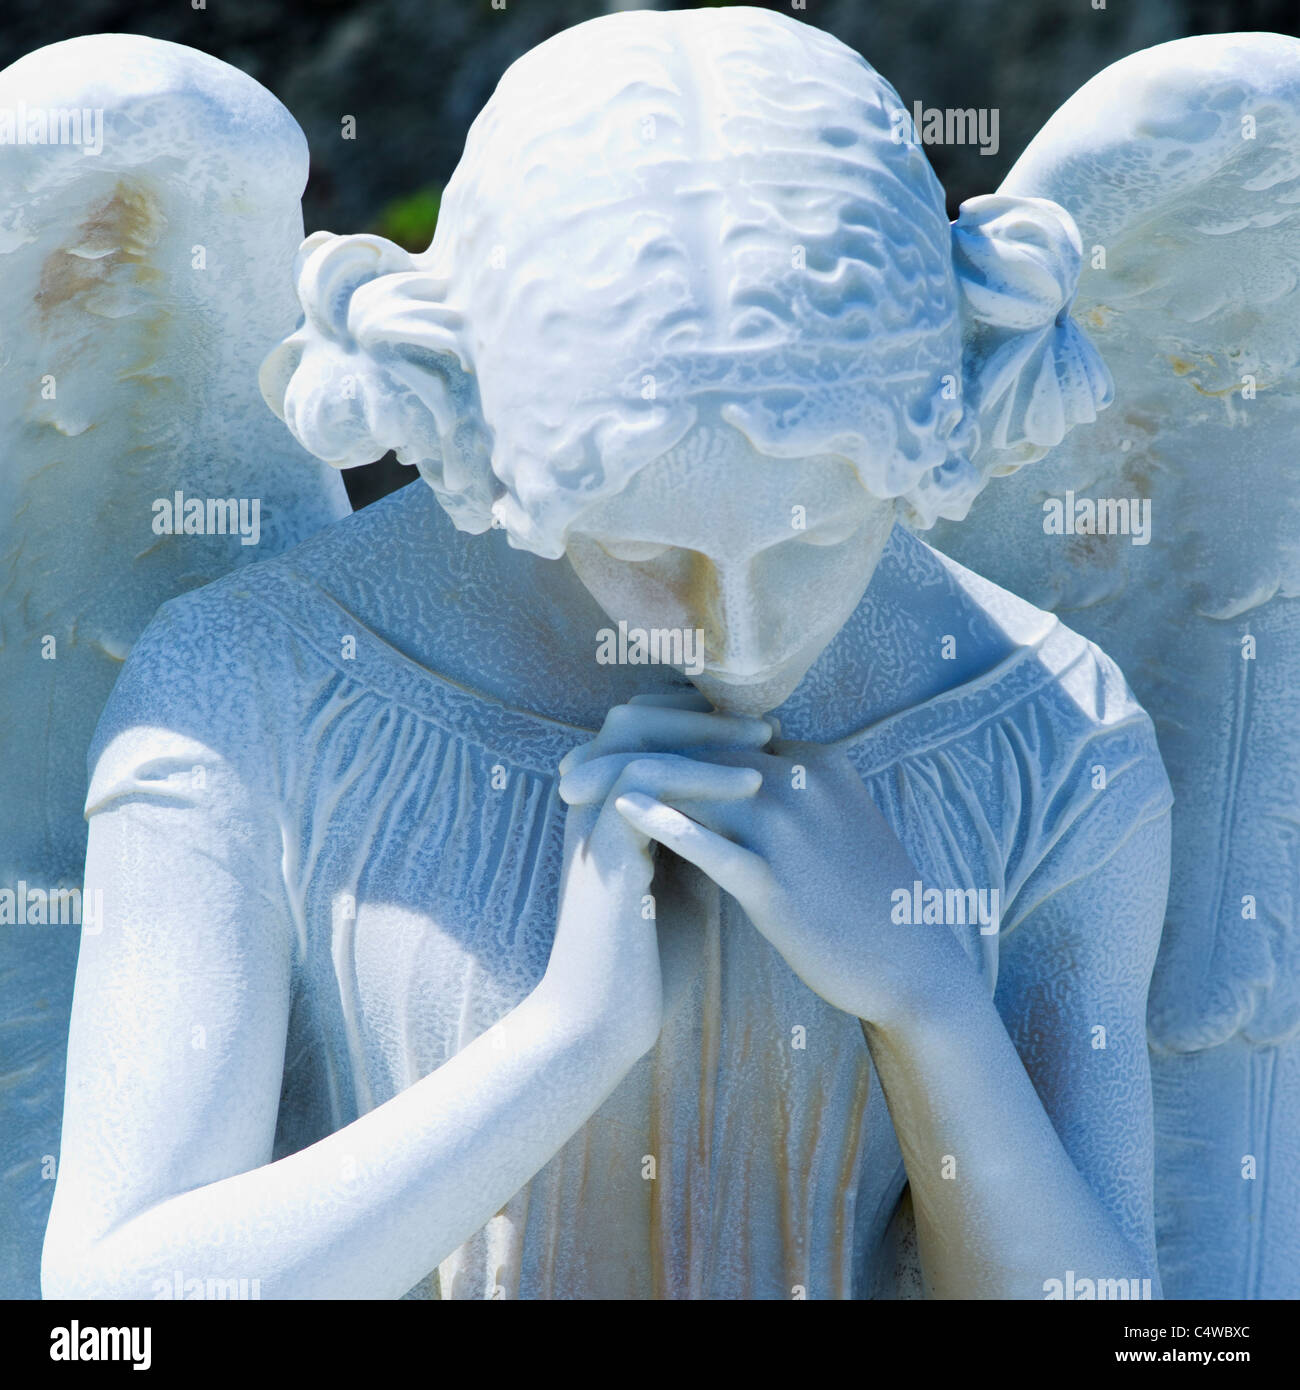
(740, 628)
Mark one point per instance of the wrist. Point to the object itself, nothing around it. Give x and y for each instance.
(941, 995)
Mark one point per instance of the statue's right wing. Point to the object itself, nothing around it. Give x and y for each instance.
(149, 219)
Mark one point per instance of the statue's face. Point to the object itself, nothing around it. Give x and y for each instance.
(766, 557)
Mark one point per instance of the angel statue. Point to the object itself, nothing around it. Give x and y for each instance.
(1170, 534)
(633, 865)
(149, 211)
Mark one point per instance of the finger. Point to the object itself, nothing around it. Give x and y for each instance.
(614, 845)
(650, 728)
(735, 869)
(675, 699)
(567, 761)
(659, 775)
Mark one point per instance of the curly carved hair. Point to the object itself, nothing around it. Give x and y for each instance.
(659, 209)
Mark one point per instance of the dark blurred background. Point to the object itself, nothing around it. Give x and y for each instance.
(414, 73)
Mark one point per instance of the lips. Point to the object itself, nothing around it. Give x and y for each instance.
(744, 677)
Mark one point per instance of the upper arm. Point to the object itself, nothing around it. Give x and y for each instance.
(1072, 990)
(182, 994)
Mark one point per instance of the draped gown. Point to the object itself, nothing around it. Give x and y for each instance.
(270, 754)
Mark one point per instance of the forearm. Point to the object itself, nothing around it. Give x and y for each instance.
(1000, 1207)
(370, 1210)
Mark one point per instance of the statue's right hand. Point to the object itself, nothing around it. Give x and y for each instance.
(604, 974)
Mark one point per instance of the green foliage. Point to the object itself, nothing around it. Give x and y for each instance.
(410, 221)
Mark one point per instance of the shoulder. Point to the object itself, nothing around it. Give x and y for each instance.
(1048, 760)
(1090, 788)
(399, 529)
(1076, 720)
(965, 657)
(217, 678)
(1079, 801)
(1088, 772)
(201, 649)
(231, 635)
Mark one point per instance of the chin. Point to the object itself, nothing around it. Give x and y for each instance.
(757, 694)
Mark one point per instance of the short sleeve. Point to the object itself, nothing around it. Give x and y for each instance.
(1104, 783)
(185, 751)
(194, 934)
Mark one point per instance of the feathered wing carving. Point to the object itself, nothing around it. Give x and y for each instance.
(140, 287)
(1181, 167)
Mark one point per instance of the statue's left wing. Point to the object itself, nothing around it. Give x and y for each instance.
(1169, 533)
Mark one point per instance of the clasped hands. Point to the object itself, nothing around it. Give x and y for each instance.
(786, 828)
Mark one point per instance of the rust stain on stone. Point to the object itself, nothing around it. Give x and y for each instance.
(122, 229)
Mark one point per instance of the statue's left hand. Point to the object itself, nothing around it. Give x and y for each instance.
(809, 858)
(814, 864)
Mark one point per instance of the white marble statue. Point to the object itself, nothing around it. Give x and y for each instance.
(1170, 534)
(450, 947)
(148, 217)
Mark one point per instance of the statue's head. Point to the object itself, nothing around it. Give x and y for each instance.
(695, 316)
